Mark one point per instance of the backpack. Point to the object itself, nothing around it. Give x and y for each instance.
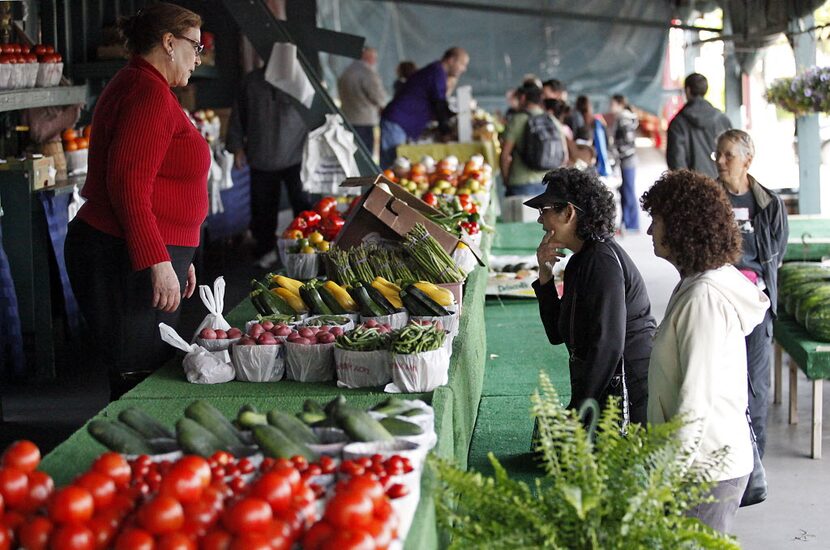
(543, 148)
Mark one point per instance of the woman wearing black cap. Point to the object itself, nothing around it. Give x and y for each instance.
(604, 316)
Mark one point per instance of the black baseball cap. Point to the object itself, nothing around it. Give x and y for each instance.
(554, 194)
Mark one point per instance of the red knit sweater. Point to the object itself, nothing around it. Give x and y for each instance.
(148, 166)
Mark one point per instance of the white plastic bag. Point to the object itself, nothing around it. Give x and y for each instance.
(395, 321)
(362, 369)
(283, 246)
(328, 159)
(259, 363)
(302, 266)
(464, 259)
(419, 372)
(309, 362)
(215, 303)
(200, 365)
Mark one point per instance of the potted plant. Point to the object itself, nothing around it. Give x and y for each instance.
(805, 94)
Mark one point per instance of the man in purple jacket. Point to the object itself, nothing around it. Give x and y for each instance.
(423, 98)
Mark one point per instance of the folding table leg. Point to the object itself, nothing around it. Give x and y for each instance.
(815, 442)
(776, 375)
(793, 391)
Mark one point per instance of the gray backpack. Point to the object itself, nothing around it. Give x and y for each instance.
(543, 148)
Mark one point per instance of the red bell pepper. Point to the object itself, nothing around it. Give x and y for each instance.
(430, 199)
(311, 218)
(326, 206)
(298, 223)
(331, 226)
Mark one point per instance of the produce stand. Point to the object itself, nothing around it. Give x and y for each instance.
(810, 356)
(461, 150)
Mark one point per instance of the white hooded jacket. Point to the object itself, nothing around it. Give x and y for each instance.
(698, 365)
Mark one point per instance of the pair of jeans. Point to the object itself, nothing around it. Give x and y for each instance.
(758, 355)
(116, 302)
(720, 514)
(266, 194)
(628, 200)
(391, 135)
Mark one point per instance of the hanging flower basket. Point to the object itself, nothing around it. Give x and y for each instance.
(805, 94)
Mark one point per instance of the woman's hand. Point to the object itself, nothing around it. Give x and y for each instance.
(190, 286)
(547, 254)
(166, 294)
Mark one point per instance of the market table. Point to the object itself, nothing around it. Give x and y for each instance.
(813, 358)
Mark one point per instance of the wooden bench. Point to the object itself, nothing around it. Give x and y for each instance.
(813, 358)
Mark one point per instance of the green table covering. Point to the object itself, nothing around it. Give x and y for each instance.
(809, 238)
(812, 357)
(517, 239)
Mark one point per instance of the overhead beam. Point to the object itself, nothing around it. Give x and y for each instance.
(550, 12)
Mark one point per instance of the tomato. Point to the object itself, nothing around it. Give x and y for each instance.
(319, 533)
(103, 527)
(251, 541)
(222, 458)
(41, 488)
(198, 465)
(34, 534)
(6, 537)
(101, 487)
(397, 490)
(13, 520)
(368, 486)
(216, 540)
(73, 536)
(200, 516)
(163, 514)
(430, 199)
(184, 483)
(349, 510)
(23, 455)
(239, 486)
(327, 464)
(71, 504)
(275, 489)
(382, 532)
(122, 505)
(352, 468)
(246, 466)
(135, 539)
(14, 486)
(248, 515)
(2, 505)
(280, 535)
(303, 496)
(115, 466)
(326, 206)
(349, 539)
(176, 541)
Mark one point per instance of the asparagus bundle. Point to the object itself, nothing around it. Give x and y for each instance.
(379, 257)
(400, 270)
(432, 260)
(359, 256)
(342, 269)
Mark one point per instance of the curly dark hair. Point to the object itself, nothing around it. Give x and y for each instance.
(700, 228)
(594, 202)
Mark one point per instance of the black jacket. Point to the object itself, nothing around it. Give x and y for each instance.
(603, 316)
(691, 138)
(771, 233)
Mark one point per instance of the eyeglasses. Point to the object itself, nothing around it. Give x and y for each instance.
(717, 155)
(558, 206)
(197, 47)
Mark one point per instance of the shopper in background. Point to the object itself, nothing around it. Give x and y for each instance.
(690, 140)
(698, 364)
(422, 99)
(522, 177)
(762, 221)
(130, 247)
(554, 89)
(604, 316)
(403, 71)
(595, 133)
(624, 134)
(362, 96)
(267, 132)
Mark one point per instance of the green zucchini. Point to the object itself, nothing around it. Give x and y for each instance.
(276, 444)
(211, 418)
(292, 426)
(312, 406)
(118, 437)
(429, 304)
(392, 406)
(195, 439)
(413, 305)
(330, 301)
(368, 308)
(275, 303)
(378, 297)
(249, 419)
(310, 418)
(144, 424)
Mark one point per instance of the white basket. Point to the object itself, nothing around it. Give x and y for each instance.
(421, 372)
(395, 321)
(362, 369)
(255, 363)
(309, 362)
(302, 266)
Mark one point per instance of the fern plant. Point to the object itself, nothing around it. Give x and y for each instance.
(616, 492)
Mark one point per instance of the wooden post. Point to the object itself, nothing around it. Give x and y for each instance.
(776, 374)
(793, 391)
(815, 440)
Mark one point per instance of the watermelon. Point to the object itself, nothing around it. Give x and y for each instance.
(802, 290)
(817, 297)
(790, 280)
(817, 322)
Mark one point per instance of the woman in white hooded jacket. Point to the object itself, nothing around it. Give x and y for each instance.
(698, 366)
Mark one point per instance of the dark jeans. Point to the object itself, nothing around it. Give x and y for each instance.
(628, 200)
(266, 193)
(720, 514)
(758, 355)
(367, 136)
(117, 303)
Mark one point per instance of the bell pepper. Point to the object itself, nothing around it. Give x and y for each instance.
(430, 199)
(298, 223)
(311, 218)
(292, 234)
(331, 226)
(326, 206)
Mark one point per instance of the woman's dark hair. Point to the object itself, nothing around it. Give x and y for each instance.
(406, 69)
(143, 31)
(593, 201)
(556, 107)
(700, 229)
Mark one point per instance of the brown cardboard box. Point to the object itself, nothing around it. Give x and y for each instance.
(382, 214)
(41, 171)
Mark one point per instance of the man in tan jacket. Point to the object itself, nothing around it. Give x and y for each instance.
(362, 95)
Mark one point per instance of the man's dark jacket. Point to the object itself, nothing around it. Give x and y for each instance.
(691, 137)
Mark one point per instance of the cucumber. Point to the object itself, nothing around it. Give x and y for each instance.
(428, 303)
(311, 297)
(118, 437)
(292, 426)
(334, 404)
(310, 418)
(368, 308)
(248, 419)
(247, 407)
(327, 422)
(195, 439)
(144, 424)
(398, 427)
(209, 417)
(378, 297)
(276, 444)
(360, 426)
(413, 305)
(329, 299)
(392, 406)
(312, 406)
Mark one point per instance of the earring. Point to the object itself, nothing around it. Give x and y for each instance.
(171, 55)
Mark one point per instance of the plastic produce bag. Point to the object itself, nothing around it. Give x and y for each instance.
(258, 363)
(464, 259)
(200, 365)
(362, 369)
(283, 246)
(309, 362)
(215, 303)
(419, 372)
(395, 321)
(302, 266)
(328, 159)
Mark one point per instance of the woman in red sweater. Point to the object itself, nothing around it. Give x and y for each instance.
(130, 248)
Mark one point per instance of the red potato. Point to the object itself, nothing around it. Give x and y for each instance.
(207, 334)
(221, 334)
(371, 323)
(266, 339)
(246, 341)
(306, 332)
(255, 330)
(282, 330)
(267, 325)
(303, 341)
(234, 333)
(336, 331)
(324, 337)
(325, 328)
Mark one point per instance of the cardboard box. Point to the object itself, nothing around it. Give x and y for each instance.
(382, 214)
(40, 171)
